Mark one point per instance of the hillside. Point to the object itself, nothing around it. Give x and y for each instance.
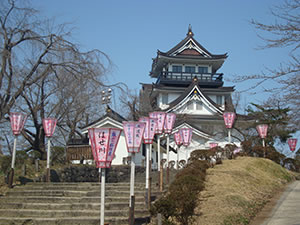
(237, 189)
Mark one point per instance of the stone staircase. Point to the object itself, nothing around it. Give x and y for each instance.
(71, 203)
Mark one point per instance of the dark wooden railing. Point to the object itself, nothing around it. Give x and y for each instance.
(183, 77)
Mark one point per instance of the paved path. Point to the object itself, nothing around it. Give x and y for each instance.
(287, 209)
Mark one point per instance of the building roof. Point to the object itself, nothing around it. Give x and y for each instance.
(109, 114)
(188, 50)
(194, 87)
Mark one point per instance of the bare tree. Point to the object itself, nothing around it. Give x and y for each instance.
(44, 74)
(283, 33)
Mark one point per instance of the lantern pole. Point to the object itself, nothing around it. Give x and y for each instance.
(13, 160)
(48, 161)
(132, 197)
(229, 135)
(102, 196)
(177, 164)
(147, 170)
(168, 149)
(158, 158)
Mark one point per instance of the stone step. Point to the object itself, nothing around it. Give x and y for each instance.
(70, 221)
(49, 199)
(20, 213)
(70, 206)
(65, 193)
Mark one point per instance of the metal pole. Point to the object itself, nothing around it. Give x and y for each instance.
(158, 159)
(186, 155)
(48, 161)
(177, 164)
(147, 171)
(168, 149)
(132, 198)
(102, 196)
(264, 146)
(229, 135)
(13, 160)
(158, 152)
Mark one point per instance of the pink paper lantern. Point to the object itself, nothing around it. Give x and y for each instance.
(150, 128)
(134, 132)
(49, 125)
(186, 135)
(178, 138)
(292, 142)
(17, 122)
(169, 122)
(160, 116)
(229, 118)
(262, 130)
(104, 142)
(213, 145)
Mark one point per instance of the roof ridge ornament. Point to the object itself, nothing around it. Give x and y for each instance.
(190, 32)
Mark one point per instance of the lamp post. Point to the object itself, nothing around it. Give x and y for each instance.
(106, 96)
(229, 118)
(292, 142)
(178, 141)
(160, 116)
(17, 121)
(168, 126)
(103, 143)
(186, 135)
(49, 125)
(148, 136)
(262, 130)
(134, 132)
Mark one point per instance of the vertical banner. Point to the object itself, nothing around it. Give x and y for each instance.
(262, 130)
(134, 132)
(186, 134)
(150, 128)
(229, 118)
(169, 122)
(178, 138)
(103, 143)
(49, 125)
(17, 122)
(160, 116)
(292, 142)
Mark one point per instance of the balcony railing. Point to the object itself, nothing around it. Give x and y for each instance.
(209, 79)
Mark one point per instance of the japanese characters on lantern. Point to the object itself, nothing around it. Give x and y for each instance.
(262, 130)
(150, 128)
(49, 125)
(104, 142)
(134, 132)
(292, 142)
(186, 135)
(178, 138)
(229, 118)
(169, 122)
(160, 116)
(17, 122)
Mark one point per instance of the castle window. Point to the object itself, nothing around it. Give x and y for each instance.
(190, 69)
(177, 69)
(202, 69)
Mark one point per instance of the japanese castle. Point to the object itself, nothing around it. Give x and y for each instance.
(189, 84)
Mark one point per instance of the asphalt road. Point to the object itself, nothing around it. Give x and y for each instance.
(287, 209)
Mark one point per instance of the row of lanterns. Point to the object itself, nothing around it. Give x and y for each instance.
(104, 141)
(17, 121)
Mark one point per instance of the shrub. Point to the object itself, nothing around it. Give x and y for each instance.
(182, 198)
(58, 155)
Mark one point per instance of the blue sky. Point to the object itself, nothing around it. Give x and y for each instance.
(130, 32)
